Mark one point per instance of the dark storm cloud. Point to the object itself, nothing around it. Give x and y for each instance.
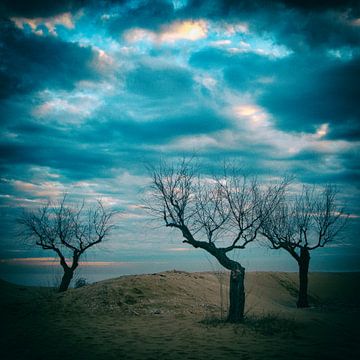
(225, 7)
(29, 62)
(314, 30)
(300, 25)
(235, 8)
(39, 8)
(148, 15)
(72, 160)
(321, 5)
(50, 145)
(311, 91)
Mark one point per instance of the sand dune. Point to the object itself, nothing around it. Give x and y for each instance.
(177, 315)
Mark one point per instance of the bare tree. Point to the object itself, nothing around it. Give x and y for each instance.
(303, 223)
(66, 230)
(218, 215)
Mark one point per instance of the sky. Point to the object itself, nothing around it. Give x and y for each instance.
(91, 92)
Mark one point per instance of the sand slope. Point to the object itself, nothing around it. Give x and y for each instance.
(176, 315)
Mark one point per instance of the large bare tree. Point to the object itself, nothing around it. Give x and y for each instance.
(216, 214)
(302, 223)
(66, 229)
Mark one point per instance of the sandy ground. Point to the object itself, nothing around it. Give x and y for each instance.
(177, 315)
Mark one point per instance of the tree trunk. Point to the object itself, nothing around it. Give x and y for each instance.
(303, 262)
(66, 279)
(237, 296)
(237, 276)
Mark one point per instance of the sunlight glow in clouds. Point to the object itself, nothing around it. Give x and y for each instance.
(322, 131)
(65, 19)
(186, 30)
(103, 61)
(256, 115)
(180, 30)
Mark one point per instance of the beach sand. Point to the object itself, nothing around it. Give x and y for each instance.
(177, 315)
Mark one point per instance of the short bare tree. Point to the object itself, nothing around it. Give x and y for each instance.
(218, 215)
(67, 230)
(302, 223)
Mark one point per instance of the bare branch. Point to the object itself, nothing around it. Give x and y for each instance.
(66, 229)
(308, 220)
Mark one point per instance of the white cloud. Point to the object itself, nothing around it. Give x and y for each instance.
(220, 43)
(206, 80)
(66, 107)
(264, 48)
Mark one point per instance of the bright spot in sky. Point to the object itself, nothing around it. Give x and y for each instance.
(186, 30)
(322, 130)
(255, 114)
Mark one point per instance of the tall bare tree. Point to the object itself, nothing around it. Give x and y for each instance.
(302, 223)
(67, 230)
(218, 215)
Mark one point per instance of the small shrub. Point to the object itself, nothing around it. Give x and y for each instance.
(80, 283)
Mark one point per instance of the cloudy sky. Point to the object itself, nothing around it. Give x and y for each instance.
(92, 91)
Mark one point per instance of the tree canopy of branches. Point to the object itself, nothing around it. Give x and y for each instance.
(303, 223)
(216, 214)
(66, 229)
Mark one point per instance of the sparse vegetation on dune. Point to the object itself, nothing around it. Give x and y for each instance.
(177, 315)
